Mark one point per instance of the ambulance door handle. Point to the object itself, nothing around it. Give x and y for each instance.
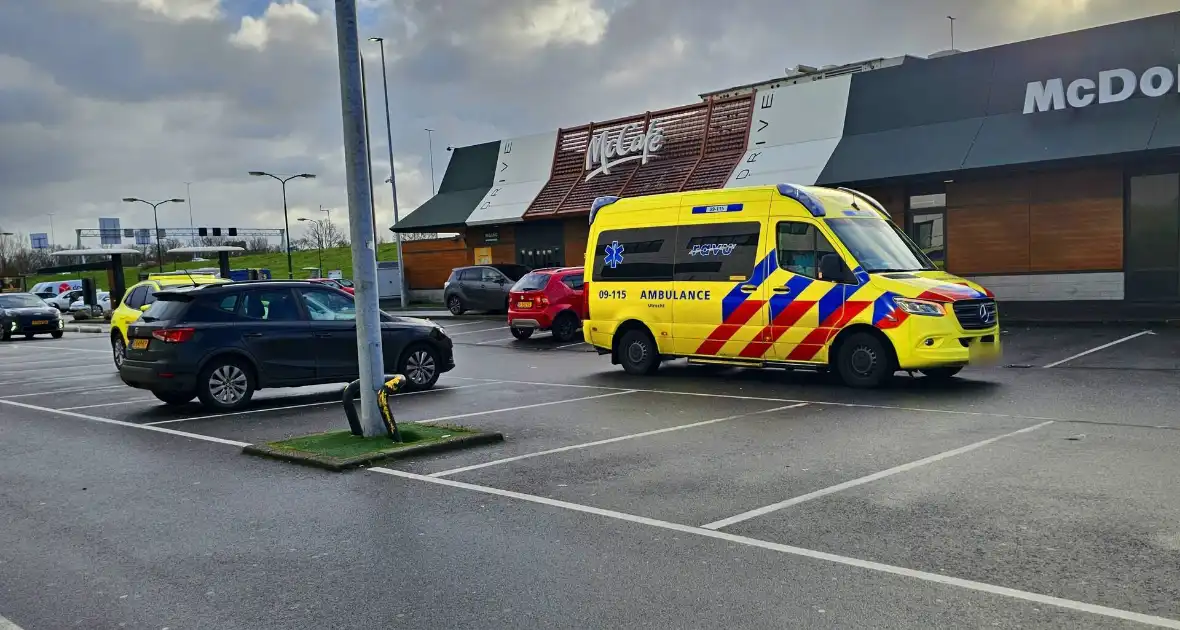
(782, 289)
(749, 288)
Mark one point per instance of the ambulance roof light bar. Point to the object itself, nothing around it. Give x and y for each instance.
(803, 197)
(599, 204)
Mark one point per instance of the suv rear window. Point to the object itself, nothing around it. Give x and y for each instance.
(532, 282)
(161, 310)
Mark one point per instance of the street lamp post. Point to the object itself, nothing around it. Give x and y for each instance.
(286, 223)
(397, 236)
(430, 148)
(156, 220)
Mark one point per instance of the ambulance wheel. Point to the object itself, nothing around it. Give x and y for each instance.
(863, 361)
(941, 374)
(638, 352)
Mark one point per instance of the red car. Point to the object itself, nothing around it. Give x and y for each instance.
(547, 299)
(343, 285)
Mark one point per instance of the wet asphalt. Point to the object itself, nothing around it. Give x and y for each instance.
(915, 505)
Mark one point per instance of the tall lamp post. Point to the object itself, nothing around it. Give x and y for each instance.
(430, 148)
(286, 223)
(156, 220)
(397, 236)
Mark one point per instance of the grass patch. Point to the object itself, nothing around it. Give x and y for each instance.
(335, 258)
(345, 445)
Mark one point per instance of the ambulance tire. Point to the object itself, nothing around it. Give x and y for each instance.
(863, 361)
(638, 352)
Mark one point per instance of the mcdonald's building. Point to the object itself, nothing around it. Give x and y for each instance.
(1048, 170)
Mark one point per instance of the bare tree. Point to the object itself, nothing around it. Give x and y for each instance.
(260, 245)
(324, 235)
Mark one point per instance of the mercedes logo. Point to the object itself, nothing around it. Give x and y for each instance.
(987, 313)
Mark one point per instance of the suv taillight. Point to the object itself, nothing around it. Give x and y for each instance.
(174, 335)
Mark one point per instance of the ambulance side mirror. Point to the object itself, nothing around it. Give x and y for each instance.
(831, 268)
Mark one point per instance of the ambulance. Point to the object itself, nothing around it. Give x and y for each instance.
(777, 276)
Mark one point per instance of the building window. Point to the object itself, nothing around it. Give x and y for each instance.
(926, 224)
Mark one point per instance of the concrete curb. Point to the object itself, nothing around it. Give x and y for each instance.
(85, 329)
(336, 464)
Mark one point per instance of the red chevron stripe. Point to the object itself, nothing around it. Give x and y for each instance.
(721, 334)
(786, 318)
(818, 338)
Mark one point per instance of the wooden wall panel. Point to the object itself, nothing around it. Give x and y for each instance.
(1078, 235)
(894, 200)
(429, 263)
(575, 233)
(1040, 222)
(988, 239)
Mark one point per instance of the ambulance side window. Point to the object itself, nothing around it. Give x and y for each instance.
(635, 255)
(717, 252)
(800, 247)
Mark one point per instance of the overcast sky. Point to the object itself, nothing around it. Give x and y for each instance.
(104, 99)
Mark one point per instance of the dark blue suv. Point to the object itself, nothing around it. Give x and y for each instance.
(222, 342)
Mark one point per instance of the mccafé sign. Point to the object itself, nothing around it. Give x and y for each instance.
(1112, 86)
(616, 146)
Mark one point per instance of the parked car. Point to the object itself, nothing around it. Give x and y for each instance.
(222, 342)
(142, 295)
(28, 315)
(481, 288)
(80, 310)
(339, 283)
(547, 299)
(50, 290)
(63, 300)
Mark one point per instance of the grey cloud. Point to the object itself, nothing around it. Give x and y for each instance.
(136, 105)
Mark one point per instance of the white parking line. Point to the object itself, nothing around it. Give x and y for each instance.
(449, 326)
(774, 507)
(476, 332)
(1036, 598)
(39, 347)
(8, 625)
(1102, 347)
(72, 390)
(38, 381)
(68, 361)
(303, 406)
(120, 423)
(455, 471)
(111, 404)
(982, 414)
(570, 345)
(496, 341)
(533, 406)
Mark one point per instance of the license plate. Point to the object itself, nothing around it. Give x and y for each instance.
(40, 322)
(139, 344)
(524, 304)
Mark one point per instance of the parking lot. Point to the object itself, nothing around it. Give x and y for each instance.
(1035, 493)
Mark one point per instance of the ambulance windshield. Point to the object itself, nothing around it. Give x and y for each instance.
(879, 246)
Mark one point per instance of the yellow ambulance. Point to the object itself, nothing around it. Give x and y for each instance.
(776, 276)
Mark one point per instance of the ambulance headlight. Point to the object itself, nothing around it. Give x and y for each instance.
(919, 307)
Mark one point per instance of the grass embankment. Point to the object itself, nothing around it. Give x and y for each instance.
(335, 258)
(345, 445)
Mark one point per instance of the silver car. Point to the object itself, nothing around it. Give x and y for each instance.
(481, 287)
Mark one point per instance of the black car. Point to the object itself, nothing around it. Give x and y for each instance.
(221, 342)
(28, 315)
(481, 288)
